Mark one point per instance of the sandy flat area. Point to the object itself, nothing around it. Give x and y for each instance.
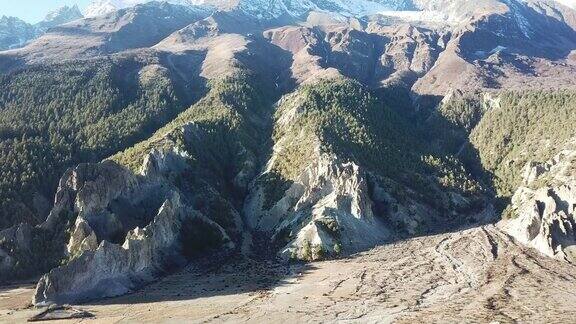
(476, 275)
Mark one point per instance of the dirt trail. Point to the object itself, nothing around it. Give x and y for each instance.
(477, 275)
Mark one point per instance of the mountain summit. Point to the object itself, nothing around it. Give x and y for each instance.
(15, 33)
(60, 16)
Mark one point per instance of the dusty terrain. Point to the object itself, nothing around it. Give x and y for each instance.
(475, 275)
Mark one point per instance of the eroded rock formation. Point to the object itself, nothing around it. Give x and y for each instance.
(112, 269)
(543, 211)
(326, 211)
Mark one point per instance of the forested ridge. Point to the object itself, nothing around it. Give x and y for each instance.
(55, 116)
(497, 135)
(527, 126)
(344, 118)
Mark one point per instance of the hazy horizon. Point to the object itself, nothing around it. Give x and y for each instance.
(33, 11)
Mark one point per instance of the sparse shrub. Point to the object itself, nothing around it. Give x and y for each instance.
(337, 248)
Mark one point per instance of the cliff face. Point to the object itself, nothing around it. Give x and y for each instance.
(323, 192)
(110, 269)
(128, 229)
(180, 201)
(326, 211)
(542, 212)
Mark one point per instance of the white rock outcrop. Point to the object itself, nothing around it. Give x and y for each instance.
(128, 230)
(543, 210)
(113, 269)
(326, 211)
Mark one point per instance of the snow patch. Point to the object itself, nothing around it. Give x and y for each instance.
(103, 7)
(567, 3)
(432, 16)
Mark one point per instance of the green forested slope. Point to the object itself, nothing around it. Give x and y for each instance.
(528, 126)
(54, 116)
(229, 127)
(350, 122)
(234, 103)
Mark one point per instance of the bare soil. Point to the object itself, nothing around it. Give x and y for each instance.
(475, 275)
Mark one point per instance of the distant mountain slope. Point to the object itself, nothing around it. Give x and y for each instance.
(59, 17)
(135, 27)
(16, 33)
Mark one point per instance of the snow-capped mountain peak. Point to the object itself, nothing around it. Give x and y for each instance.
(60, 16)
(436, 11)
(63, 13)
(268, 8)
(103, 7)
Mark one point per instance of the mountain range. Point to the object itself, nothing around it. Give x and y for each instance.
(16, 33)
(147, 136)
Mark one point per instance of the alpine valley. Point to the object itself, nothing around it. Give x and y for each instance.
(290, 161)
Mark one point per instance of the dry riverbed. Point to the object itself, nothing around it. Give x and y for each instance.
(476, 275)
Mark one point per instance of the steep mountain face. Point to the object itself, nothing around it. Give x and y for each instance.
(59, 17)
(302, 130)
(135, 27)
(516, 132)
(501, 50)
(203, 161)
(524, 143)
(542, 213)
(122, 217)
(15, 33)
(323, 187)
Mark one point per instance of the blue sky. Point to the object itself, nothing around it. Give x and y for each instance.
(33, 11)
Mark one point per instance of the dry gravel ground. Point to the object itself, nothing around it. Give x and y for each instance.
(475, 275)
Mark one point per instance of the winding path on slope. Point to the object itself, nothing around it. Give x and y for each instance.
(475, 275)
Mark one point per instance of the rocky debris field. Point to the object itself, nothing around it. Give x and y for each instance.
(474, 275)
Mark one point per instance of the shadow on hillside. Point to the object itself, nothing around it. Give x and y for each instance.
(526, 33)
(445, 138)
